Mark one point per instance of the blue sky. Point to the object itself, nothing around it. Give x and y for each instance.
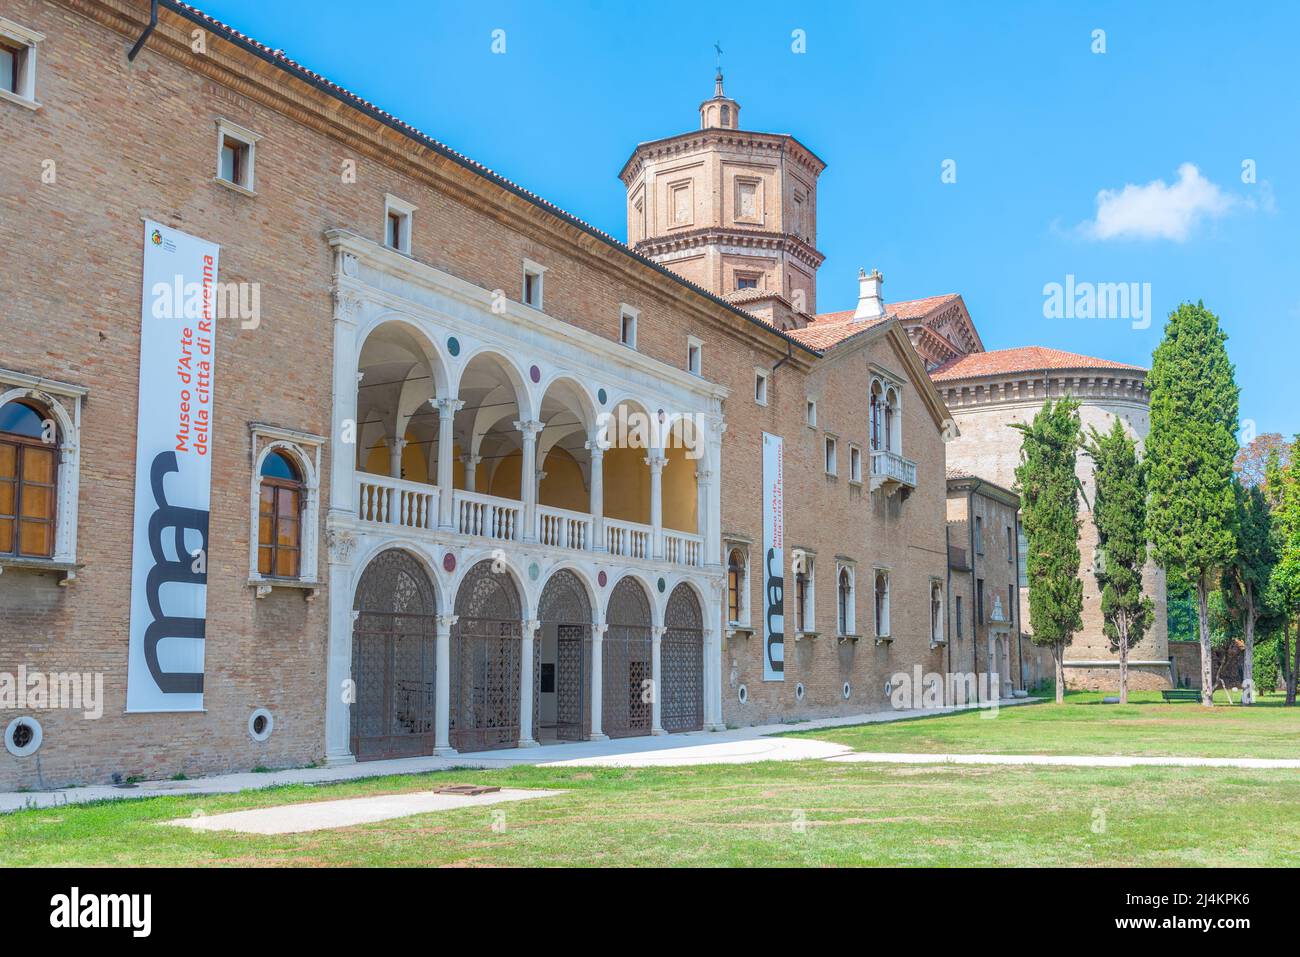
(1036, 122)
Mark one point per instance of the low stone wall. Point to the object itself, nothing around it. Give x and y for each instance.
(1095, 676)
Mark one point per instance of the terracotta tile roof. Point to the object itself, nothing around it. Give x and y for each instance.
(1023, 359)
(908, 309)
(277, 56)
(826, 332)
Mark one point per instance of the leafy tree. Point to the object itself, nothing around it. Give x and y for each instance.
(1252, 459)
(1189, 454)
(1049, 505)
(1120, 516)
(1246, 578)
(1284, 583)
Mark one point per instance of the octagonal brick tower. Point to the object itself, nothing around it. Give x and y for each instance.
(733, 211)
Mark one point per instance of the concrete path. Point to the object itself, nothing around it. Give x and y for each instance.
(324, 815)
(1065, 760)
(734, 746)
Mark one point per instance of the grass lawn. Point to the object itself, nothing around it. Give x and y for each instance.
(1083, 725)
(797, 813)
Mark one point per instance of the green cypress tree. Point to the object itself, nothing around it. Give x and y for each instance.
(1284, 583)
(1191, 514)
(1120, 516)
(1246, 579)
(1049, 507)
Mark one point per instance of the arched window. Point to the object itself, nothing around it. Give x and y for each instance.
(29, 462)
(801, 601)
(279, 526)
(735, 585)
(891, 415)
(877, 401)
(882, 604)
(845, 601)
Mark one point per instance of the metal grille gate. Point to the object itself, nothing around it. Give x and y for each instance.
(565, 607)
(626, 678)
(682, 660)
(486, 657)
(393, 657)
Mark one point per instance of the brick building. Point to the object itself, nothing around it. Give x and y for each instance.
(481, 475)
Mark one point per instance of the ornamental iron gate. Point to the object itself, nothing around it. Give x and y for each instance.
(682, 660)
(486, 653)
(565, 607)
(627, 686)
(393, 657)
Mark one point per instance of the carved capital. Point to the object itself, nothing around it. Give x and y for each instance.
(341, 544)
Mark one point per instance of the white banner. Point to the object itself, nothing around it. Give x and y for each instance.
(773, 567)
(173, 472)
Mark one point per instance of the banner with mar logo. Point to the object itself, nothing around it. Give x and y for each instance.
(173, 472)
(772, 561)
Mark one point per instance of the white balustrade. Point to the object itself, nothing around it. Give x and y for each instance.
(892, 467)
(487, 515)
(389, 501)
(683, 548)
(627, 539)
(561, 528)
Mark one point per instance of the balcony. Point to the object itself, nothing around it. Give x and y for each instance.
(892, 472)
(397, 503)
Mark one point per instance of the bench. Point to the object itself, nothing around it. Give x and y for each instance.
(1181, 694)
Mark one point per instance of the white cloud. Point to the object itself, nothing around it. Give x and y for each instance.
(1158, 210)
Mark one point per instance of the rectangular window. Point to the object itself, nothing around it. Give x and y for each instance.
(831, 464)
(760, 386)
(1011, 604)
(810, 413)
(979, 600)
(18, 63)
(28, 503)
(397, 224)
(855, 464)
(959, 615)
(627, 330)
(10, 63)
(979, 535)
(236, 155)
(746, 281)
(694, 356)
(532, 285)
(1011, 545)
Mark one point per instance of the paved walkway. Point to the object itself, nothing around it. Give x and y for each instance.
(735, 746)
(1064, 760)
(323, 815)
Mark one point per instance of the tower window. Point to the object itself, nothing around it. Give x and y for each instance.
(532, 285)
(746, 282)
(760, 386)
(627, 326)
(236, 153)
(397, 224)
(694, 356)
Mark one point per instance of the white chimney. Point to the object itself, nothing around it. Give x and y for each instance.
(870, 305)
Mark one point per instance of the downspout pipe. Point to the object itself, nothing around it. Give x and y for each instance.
(974, 588)
(148, 30)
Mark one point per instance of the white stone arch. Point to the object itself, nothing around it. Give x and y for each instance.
(68, 477)
(376, 546)
(509, 564)
(524, 396)
(475, 423)
(584, 575)
(648, 585)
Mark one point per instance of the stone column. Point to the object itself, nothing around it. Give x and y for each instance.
(470, 461)
(597, 680)
(442, 689)
(340, 692)
(345, 431)
(447, 409)
(395, 449)
(529, 639)
(529, 430)
(656, 679)
(597, 503)
(704, 516)
(656, 461)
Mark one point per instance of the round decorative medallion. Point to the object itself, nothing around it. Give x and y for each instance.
(449, 562)
(535, 374)
(453, 345)
(602, 396)
(662, 585)
(533, 571)
(603, 579)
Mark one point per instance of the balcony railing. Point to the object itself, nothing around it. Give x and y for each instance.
(683, 548)
(627, 539)
(390, 501)
(891, 470)
(562, 528)
(488, 516)
(396, 502)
